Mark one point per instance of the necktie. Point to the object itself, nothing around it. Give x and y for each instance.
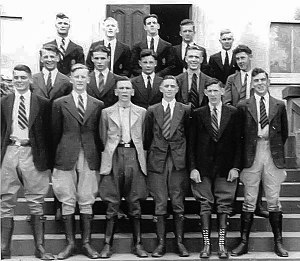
(186, 49)
(149, 88)
(80, 108)
(214, 123)
(62, 46)
(244, 88)
(226, 64)
(193, 95)
(49, 83)
(22, 119)
(263, 114)
(101, 82)
(167, 123)
(152, 44)
(109, 64)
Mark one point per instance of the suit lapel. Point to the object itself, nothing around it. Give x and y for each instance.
(90, 106)
(219, 61)
(159, 115)
(201, 88)
(155, 87)
(114, 115)
(33, 110)
(159, 46)
(273, 107)
(93, 84)
(8, 109)
(70, 48)
(71, 107)
(238, 82)
(134, 115)
(177, 116)
(207, 121)
(225, 116)
(252, 108)
(55, 88)
(41, 83)
(118, 51)
(184, 87)
(142, 88)
(108, 85)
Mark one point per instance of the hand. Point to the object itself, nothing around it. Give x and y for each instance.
(233, 175)
(195, 176)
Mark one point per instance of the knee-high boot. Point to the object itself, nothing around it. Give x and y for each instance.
(222, 224)
(109, 237)
(161, 236)
(7, 228)
(138, 248)
(206, 229)
(179, 222)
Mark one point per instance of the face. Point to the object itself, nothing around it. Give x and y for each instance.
(243, 61)
(151, 26)
(169, 88)
(100, 60)
(194, 59)
(21, 81)
(124, 91)
(148, 64)
(62, 26)
(110, 28)
(214, 93)
(226, 41)
(49, 59)
(80, 79)
(187, 33)
(260, 84)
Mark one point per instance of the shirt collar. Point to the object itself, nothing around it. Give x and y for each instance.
(104, 72)
(46, 72)
(83, 95)
(156, 37)
(59, 39)
(190, 72)
(243, 73)
(145, 76)
(184, 44)
(258, 97)
(26, 95)
(218, 107)
(165, 103)
(120, 106)
(112, 42)
(223, 52)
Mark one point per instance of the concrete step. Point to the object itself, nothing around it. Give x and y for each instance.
(291, 222)
(259, 242)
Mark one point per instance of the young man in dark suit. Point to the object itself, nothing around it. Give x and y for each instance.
(70, 52)
(215, 161)
(187, 32)
(119, 52)
(25, 159)
(166, 126)
(223, 64)
(102, 81)
(77, 147)
(265, 130)
(146, 85)
(163, 49)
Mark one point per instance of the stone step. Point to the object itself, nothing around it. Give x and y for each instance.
(259, 242)
(291, 222)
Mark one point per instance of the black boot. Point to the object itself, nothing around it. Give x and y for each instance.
(160, 250)
(86, 230)
(38, 231)
(109, 236)
(179, 221)
(276, 224)
(260, 210)
(138, 249)
(246, 223)
(69, 223)
(58, 210)
(7, 228)
(222, 222)
(205, 223)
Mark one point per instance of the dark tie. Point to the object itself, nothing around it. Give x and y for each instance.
(193, 95)
(149, 88)
(49, 84)
(214, 123)
(101, 82)
(62, 46)
(109, 64)
(80, 108)
(244, 88)
(263, 114)
(152, 44)
(22, 119)
(226, 64)
(186, 49)
(167, 123)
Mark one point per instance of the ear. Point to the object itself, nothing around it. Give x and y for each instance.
(132, 92)
(205, 92)
(158, 25)
(116, 92)
(222, 91)
(140, 62)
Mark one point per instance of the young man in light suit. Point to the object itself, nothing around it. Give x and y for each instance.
(123, 165)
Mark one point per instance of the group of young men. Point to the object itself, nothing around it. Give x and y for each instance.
(99, 131)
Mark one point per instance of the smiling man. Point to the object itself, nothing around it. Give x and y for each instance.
(123, 166)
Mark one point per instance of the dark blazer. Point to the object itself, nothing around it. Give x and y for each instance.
(180, 64)
(217, 68)
(62, 86)
(233, 89)
(183, 94)
(156, 144)
(38, 125)
(74, 54)
(69, 135)
(211, 157)
(107, 95)
(165, 57)
(121, 61)
(140, 97)
(278, 130)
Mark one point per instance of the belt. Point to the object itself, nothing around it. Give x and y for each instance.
(17, 142)
(126, 145)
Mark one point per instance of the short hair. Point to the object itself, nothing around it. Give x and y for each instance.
(112, 19)
(257, 71)
(149, 16)
(242, 48)
(148, 52)
(78, 66)
(24, 68)
(61, 16)
(50, 47)
(195, 47)
(213, 81)
(170, 77)
(225, 31)
(123, 79)
(100, 48)
(187, 22)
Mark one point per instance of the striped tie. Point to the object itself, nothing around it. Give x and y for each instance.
(149, 88)
(244, 88)
(263, 114)
(80, 108)
(167, 123)
(214, 123)
(49, 84)
(193, 95)
(62, 46)
(101, 82)
(22, 119)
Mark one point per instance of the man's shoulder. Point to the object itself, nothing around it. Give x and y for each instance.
(101, 42)
(154, 107)
(123, 45)
(215, 55)
(234, 76)
(137, 108)
(75, 45)
(164, 42)
(181, 76)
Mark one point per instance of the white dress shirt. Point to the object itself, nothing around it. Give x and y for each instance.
(59, 42)
(219, 111)
(124, 113)
(262, 133)
(243, 73)
(104, 72)
(145, 78)
(156, 38)
(223, 55)
(84, 98)
(171, 103)
(113, 44)
(53, 75)
(17, 132)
